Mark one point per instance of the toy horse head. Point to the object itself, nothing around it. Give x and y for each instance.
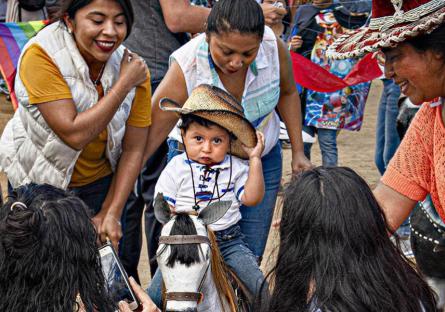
(184, 253)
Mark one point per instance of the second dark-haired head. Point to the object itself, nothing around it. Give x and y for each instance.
(243, 16)
(48, 253)
(335, 251)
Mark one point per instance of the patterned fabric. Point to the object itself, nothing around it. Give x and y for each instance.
(13, 37)
(344, 108)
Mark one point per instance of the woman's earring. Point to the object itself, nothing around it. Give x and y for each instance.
(70, 31)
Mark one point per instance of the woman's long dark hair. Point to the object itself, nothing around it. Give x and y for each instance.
(48, 254)
(335, 251)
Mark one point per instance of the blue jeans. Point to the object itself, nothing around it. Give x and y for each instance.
(387, 137)
(236, 255)
(94, 194)
(327, 140)
(256, 220)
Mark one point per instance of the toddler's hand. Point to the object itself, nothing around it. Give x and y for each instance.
(258, 149)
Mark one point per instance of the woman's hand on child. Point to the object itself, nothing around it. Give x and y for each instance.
(258, 149)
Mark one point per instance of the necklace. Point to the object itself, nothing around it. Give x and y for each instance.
(96, 82)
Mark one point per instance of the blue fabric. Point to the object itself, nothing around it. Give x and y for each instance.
(327, 140)
(236, 255)
(94, 194)
(256, 220)
(387, 137)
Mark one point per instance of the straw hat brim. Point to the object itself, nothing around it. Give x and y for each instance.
(232, 122)
(365, 40)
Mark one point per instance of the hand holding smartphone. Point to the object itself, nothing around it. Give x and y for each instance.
(116, 279)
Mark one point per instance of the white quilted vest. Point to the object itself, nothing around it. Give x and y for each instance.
(29, 150)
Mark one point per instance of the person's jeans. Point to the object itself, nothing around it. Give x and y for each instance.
(131, 243)
(256, 220)
(327, 140)
(94, 194)
(387, 137)
(237, 255)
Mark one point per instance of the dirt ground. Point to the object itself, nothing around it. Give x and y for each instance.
(356, 150)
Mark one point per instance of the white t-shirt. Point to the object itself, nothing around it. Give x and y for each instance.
(176, 184)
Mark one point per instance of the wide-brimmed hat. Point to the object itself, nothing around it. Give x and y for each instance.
(392, 22)
(219, 107)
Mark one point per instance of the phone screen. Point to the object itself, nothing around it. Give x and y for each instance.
(115, 278)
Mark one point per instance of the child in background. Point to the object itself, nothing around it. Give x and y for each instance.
(216, 137)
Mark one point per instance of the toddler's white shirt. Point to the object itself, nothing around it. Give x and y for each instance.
(175, 183)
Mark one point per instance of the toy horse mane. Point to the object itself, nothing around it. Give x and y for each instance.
(188, 254)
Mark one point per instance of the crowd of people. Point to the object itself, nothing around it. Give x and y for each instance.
(123, 101)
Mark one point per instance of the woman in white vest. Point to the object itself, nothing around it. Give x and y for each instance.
(242, 56)
(84, 109)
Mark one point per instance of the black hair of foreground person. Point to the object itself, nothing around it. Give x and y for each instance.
(48, 254)
(335, 252)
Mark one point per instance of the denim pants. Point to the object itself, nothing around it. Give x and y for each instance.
(131, 242)
(387, 137)
(236, 255)
(256, 220)
(94, 194)
(327, 140)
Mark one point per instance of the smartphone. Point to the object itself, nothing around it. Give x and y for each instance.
(116, 278)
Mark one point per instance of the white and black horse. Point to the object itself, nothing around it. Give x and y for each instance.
(193, 271)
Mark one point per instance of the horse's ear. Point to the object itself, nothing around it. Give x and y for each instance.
(162, 209)
(214, 211)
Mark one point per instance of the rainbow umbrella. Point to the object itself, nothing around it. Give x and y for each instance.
(13, 37)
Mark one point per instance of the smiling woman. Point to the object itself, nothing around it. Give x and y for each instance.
(84, 109)
(411, 33)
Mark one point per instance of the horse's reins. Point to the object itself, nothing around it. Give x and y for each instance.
(184, 240)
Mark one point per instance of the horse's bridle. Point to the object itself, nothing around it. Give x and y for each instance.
(184, 240)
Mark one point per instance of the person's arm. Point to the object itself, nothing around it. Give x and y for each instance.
(77, 129)
(174, 87)
(123, 182)
(396, 206)
(289, 107)
(272, 15)
(181, 16)
(254, 186)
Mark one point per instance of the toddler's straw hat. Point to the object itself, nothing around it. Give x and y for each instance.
(216, 105)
